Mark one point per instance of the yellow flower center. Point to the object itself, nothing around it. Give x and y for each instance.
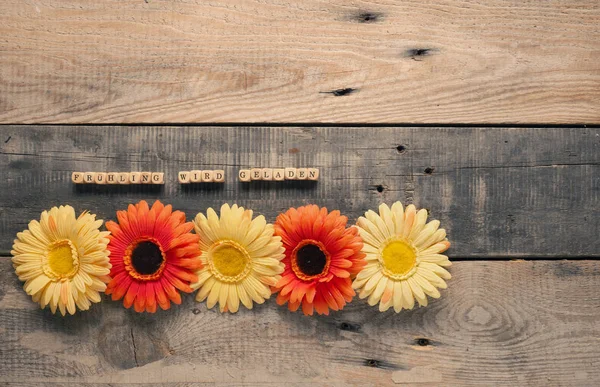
(399, 259)
(62, 260)
(229, 260)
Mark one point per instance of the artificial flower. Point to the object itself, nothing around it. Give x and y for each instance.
(63, 260)
(404, 257)
(321, 257)
(241, 258)
(154, 256)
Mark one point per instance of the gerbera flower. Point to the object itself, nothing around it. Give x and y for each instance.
(153, 256)
(321, 256)
(404, 257)
(63, 260)
(241, 258)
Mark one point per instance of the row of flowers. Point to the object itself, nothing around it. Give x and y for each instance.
(309, 257)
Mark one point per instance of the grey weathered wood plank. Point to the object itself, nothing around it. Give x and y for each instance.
(365, 61)
(499, 323)
(500, 192)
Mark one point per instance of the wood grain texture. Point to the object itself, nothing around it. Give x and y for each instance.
(499, 192)
(529, 323)
(388, 61)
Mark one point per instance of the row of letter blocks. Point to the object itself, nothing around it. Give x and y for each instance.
(278, 174)
(118, 177)
(186, 177)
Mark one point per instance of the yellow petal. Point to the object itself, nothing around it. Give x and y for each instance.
(37, 284)
(375, 297)
(213, 296)
(427, 287)
(244, 297)
(397, 297)
(233, 300)
(408, 301)
(398, 215)
(417, 291)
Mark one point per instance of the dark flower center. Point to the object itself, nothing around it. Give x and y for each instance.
(311, 260)
(146, 258)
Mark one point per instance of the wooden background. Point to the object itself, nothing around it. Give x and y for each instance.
(487, 113)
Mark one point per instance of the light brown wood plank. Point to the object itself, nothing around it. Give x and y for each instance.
(498, 192)
(529, 323)
(451, 61)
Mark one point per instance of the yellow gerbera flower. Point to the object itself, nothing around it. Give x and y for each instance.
(241, 258)
(63, 260)
(404, 257)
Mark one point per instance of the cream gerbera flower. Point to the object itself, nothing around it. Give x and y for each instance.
(63, 260)
(241, 258)
(404, 257)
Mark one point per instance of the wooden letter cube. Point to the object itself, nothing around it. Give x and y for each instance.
(100, 178)
(135, 177)
(244, 175)
(267, 174)
(219, 176)
(256, 173)
(88, 177)
(183, 177)
(279, 174)
(123, 178)
(158, 178)
(146, 178)
(195, 176)
(207, 176)
(77, 177)
(313, 174)
(290, 173)
(112, 178)
(302, 174)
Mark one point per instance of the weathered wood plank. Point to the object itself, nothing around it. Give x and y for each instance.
(451, 61)
(498, 192)
(499, 323)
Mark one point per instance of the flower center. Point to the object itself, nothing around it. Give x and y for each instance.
(310, 260)
(62, 260)
(229, 260)
(145, 259)
(398, 258)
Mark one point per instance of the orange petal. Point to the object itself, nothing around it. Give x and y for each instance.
(150, 298)
(140, 301)
(131, 294)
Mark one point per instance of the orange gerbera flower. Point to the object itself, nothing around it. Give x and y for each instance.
(153, 256)
(321, 256)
